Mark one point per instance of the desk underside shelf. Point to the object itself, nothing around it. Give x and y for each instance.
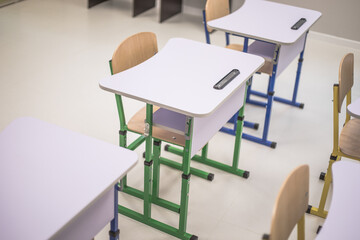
(204, 128)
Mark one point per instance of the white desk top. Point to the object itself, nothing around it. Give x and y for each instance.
(181, 77)
(267, 21)
(343, 218)
(354, 108)
(49, 175)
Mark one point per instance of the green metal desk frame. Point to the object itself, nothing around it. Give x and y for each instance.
(152, 162)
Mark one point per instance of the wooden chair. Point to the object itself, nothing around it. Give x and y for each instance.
(216, 9)
(290, 206)
(131, 52)
(348, 143)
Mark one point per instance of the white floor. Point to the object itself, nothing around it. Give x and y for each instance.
(53, 54)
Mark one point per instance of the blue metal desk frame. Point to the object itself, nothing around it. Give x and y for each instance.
(269, 95)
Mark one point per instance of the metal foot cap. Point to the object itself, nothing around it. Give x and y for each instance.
(246, 174)
(210, 176)
(309, 209)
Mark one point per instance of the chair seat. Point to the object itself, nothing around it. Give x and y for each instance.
(349, 142)
(137, 124)
(266, 68)
(235, 46)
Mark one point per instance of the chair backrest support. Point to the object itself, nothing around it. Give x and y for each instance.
(216, 9)
(133, 51)
(346, 78)
(291, 203)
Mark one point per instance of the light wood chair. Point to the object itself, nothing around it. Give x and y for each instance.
(131, 52)
(216, 9)
(290, 206)
(348, 143)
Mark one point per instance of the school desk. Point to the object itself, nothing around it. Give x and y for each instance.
(342, 221)
(58, 184)
(180, 80)
(270, 24)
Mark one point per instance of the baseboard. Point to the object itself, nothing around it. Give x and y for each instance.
(335, 40)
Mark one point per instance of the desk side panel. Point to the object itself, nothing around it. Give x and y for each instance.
(205, 128)
(288, 53)
(90, 221)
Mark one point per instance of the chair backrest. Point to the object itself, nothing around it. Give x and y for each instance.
(291, 203)
(133, 51)
(346, 77)
(216, 9)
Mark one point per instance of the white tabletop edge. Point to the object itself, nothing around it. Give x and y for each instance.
(175, 109)
(260, 38)
(97, 198)
(152, 102)
(353, 109)
(344, 173)
(132, 161)
(352, 114)
(92, 202)
(203, 54)
(256, 37)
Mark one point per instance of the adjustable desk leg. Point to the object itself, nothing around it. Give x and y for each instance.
(207, 34)
(156, 168)
(270, 99)
(114, 227)
(297, 80)
(185, 182)
(269, 106)
(122, 140)
(148, 162)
